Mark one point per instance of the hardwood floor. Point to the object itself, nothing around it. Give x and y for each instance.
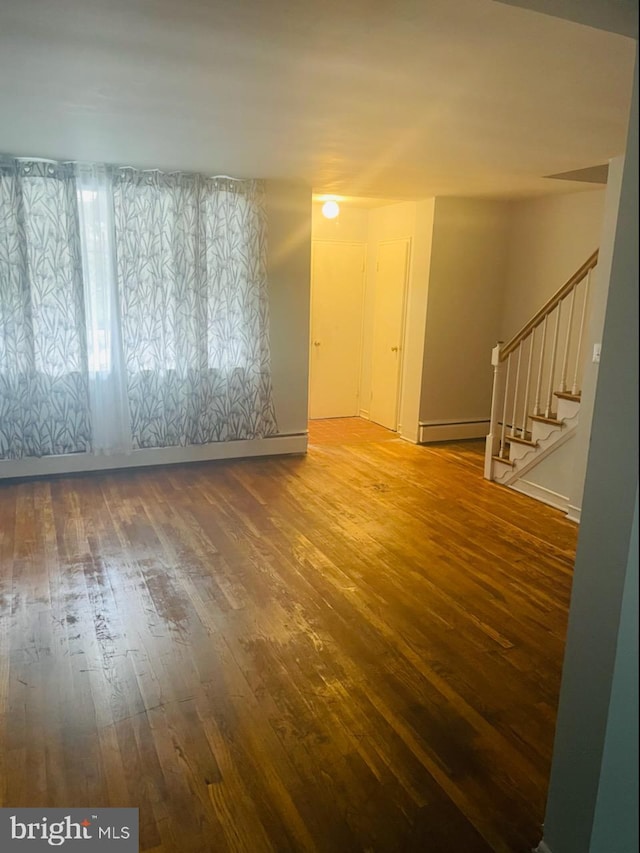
(358, 650)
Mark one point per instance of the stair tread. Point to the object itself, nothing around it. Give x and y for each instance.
(517, 440)
(552, 419)
(566, 395)
(504, 460)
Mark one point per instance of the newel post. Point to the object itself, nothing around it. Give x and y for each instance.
(493, 438)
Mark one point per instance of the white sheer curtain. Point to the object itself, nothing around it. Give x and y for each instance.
(192, 280)
(107, 383)
(133, 310)
(44, 408)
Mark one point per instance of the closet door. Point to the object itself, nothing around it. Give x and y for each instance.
(388, 331)
(337, 292)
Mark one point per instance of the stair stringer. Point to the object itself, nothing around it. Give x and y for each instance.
(556, 437)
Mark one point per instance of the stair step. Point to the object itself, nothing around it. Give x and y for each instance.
(550, 420)
(565, 395)
(517, 440)
(504, 460)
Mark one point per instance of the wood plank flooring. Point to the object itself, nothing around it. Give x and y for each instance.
(358, 650)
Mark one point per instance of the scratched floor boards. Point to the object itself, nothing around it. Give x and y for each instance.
(359, 650)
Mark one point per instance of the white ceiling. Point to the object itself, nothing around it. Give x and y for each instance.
(401, 99)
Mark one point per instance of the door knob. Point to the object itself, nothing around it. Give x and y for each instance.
(394, 349)
(316, 343)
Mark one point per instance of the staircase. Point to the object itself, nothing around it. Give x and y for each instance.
(536, 386)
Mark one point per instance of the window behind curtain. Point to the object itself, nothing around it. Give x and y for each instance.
(44, 406)
(107, 381)
(133, 309)
(191, 267)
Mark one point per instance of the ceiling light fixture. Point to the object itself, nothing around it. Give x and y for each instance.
(330, 209)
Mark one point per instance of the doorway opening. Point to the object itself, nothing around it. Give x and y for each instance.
(359, 282)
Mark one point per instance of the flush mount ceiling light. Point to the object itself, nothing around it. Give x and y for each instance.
(330, 209)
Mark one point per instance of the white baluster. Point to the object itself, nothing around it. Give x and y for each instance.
(552, 369)
(515, 393)
(536, 408)
(574, 387)
(567, 345)
(491, 447)
(525, 411)
(504, 409)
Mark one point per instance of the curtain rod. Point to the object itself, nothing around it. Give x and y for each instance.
(116, 166)
(174, 172)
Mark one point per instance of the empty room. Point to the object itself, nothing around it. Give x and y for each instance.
(318, 426)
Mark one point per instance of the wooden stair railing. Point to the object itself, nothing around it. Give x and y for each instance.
(526, 368)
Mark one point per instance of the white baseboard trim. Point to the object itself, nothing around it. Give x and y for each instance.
(542, 848)
(452, 430)
(363, 413)
(540, 493)
(574, 513)
(72, 463)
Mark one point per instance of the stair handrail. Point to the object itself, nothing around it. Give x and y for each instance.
(549, 306)
(497, 438)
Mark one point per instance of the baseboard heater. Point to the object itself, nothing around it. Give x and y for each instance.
(431, 431)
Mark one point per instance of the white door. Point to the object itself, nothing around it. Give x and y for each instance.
(337, 291)
(388, 331)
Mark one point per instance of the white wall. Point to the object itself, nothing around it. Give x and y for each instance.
(598, 306)
(551, 479)
(465, 295)
(616, 809)
(416, 320)
(289, 218)
(588, 773)
(548, 240)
